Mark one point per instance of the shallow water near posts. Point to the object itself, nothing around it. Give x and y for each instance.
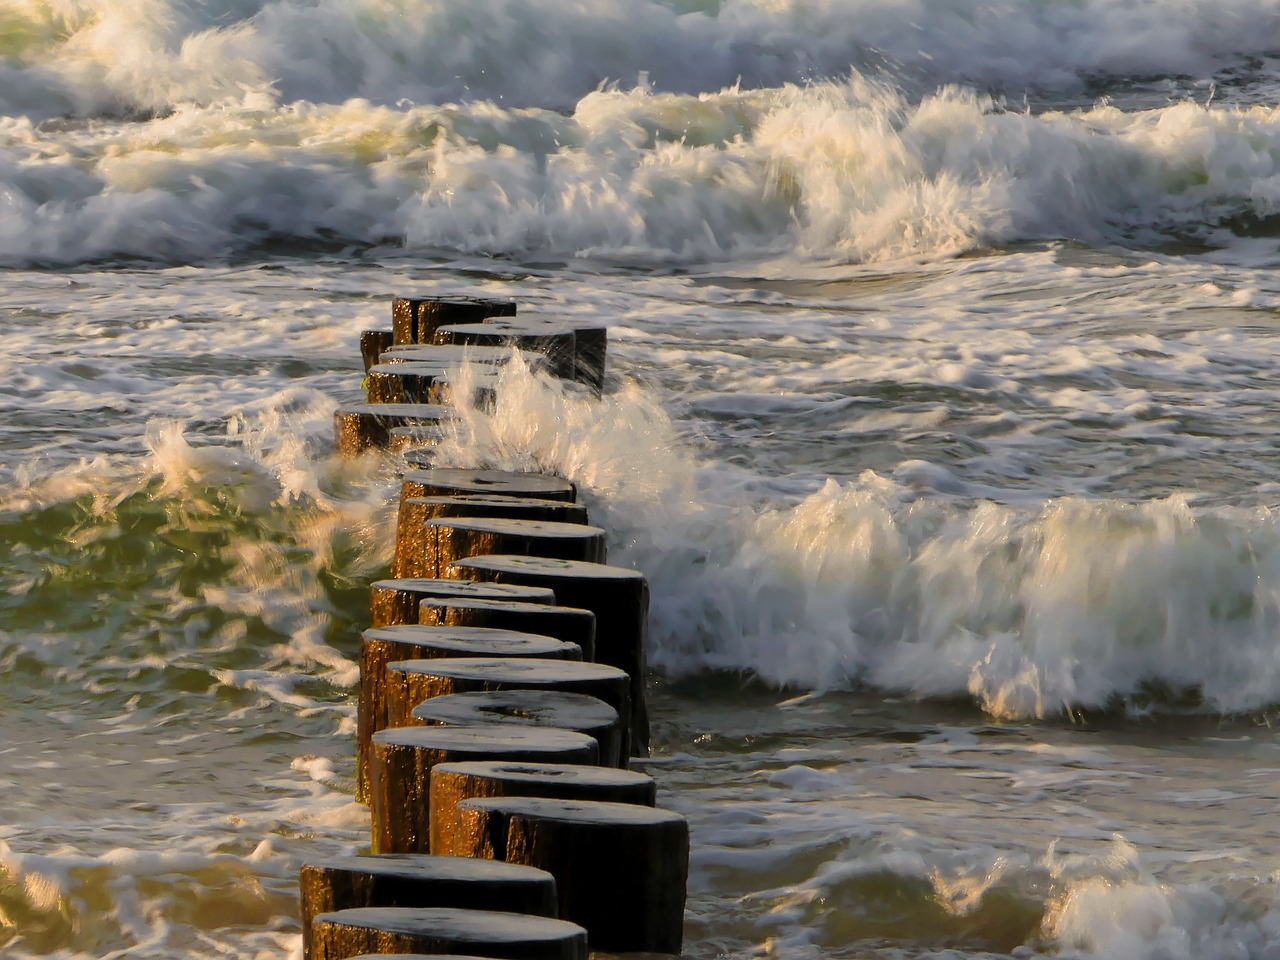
(922, 707)
(852, 827)
(941, 418)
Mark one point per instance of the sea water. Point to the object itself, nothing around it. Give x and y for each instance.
(941, 417)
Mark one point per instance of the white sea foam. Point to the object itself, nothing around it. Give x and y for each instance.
(873, 837)
(931, 574)
(158, 881)
(1033, 610)
(1004, 432)
(88, 56)
(272, 519)
(1124, 911)
(850, 171)
(925, 576)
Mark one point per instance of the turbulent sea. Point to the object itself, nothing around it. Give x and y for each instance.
(942, 416)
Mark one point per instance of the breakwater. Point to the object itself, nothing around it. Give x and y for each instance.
(502, 684)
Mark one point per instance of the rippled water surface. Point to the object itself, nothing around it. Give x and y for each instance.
(941, 419)
(927, 486)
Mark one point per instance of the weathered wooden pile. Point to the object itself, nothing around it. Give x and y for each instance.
(501, 687)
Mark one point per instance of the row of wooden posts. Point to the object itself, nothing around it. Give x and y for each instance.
(502, 691)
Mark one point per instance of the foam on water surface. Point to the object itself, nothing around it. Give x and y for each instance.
(241, 545)
(88, 57)
(917, 830)
(1068, 605)
(942, 393)
(979, 548)
(856, 170)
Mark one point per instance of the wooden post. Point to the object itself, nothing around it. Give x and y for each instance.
(456, 356)
(500, 505)
(564, 623)
(402, 382)
(539, 708)
(554, 342)
(591, 345)
(422, 484)
(381, 646)
(592, 356)
(400, 439)
(483, 394)
(432, 930)
(399, 600)
(412, 557)
(451, 783)
(456, 482)
(619, 598)
(643, 851)
(407, 880)
(432, 373)
(372, 344)
(452, 354)
(360, 426)
(401, 759)
(414, 319)
(411, 682)
(457, 538)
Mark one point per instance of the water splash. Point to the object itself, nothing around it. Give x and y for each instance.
(87, 57)
(1032, 610)
(847, 171)
(238, 557)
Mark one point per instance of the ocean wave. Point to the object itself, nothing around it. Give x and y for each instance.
(896, 583)
(852, 171)
(908, 582)
(236, 559)
(90, 57)
(1076, 606)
